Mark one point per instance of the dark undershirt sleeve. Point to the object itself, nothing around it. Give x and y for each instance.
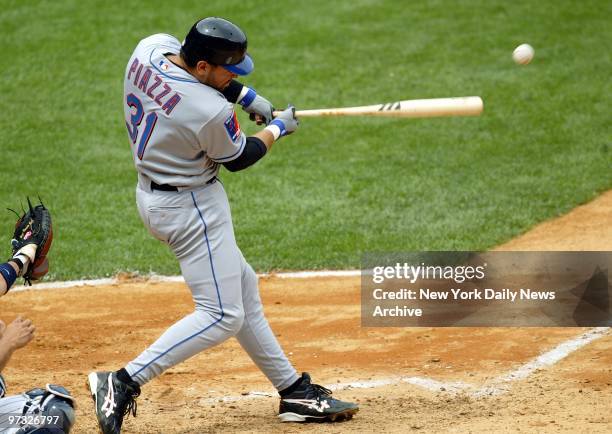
(232, 91)
(254, 150)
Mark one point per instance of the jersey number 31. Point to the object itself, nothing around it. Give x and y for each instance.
(132, 124)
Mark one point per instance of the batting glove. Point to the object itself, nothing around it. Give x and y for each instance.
(259, 108)
(283, 124)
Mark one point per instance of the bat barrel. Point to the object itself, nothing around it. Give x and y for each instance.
(420, 108)
(415, 108)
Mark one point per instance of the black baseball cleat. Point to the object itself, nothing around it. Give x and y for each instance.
(313, 403)
(113, 400)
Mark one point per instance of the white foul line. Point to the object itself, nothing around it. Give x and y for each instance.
(179, 279)
(497, 386)
(501, 384)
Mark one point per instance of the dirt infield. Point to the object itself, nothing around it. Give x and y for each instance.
(318, 324)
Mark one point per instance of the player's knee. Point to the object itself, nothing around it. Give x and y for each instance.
(229, 319)
(55, 408)
(249, 278)
(233, 319)
(249, 275)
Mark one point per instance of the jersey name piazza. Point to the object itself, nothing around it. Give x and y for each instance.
(153, 86)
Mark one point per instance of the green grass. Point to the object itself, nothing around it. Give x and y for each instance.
(338, 187)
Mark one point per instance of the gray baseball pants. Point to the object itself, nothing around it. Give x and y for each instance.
(197, 225)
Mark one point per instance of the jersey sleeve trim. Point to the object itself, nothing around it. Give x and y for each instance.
(234, 155)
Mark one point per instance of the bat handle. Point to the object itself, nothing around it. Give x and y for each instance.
(296, 113)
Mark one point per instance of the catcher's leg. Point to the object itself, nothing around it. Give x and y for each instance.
(257, 338)
(11, 405)
(49, 410)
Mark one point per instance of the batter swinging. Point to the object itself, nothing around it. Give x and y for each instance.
(178, 102)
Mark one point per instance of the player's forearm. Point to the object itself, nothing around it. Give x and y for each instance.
(6, 351)
(232, 91)
(254, 150)
(279, 127)
(256, 147)
(266, 137)
(7, 278)
(259, 108)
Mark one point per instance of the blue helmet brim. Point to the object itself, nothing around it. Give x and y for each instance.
(243, 68)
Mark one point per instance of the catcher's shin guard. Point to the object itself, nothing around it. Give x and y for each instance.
(52, 407)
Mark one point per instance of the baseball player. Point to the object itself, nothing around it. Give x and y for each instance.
(49, 410)
(179, 113)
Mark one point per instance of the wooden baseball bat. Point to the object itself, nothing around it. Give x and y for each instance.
(411, 108)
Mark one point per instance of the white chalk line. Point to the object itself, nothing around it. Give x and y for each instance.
(501, 384)
(497, 386)
(178, 279)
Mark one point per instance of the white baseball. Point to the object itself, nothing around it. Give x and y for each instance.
(523, 54)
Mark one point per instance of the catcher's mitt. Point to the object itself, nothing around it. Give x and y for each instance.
(34, 227)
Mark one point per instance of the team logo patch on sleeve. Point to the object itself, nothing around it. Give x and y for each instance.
(232, 127)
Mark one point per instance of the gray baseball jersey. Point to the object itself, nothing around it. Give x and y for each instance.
(179, 129)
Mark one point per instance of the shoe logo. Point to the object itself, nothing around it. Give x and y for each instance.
(322, 406)
(108, 407)
(313, 404)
